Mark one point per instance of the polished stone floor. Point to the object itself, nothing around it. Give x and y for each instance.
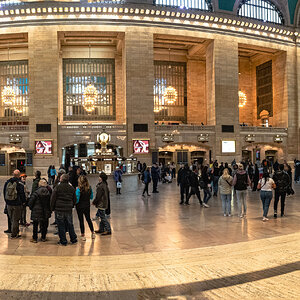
(160, 250)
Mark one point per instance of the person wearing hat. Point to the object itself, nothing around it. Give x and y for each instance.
(23, 213)
(101, 202)
(240, 182)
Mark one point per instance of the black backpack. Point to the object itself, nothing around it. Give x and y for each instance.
(241, 182)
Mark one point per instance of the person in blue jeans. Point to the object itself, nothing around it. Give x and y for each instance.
(62, 202)
(266, 186)
(225, 187)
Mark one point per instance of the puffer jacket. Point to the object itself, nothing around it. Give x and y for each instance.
(102, 194)
(39, 204)
(282, 181)
(63, 198)
(225, 187)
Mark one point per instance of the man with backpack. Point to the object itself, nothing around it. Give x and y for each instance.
(282, 181)
(15, 197)
(240, 182)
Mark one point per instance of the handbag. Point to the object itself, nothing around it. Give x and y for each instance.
(290, 190)
(119, 185)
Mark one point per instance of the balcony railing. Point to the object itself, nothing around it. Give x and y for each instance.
(185, 128)
(272, 130)
(99, 128)
(13, 128)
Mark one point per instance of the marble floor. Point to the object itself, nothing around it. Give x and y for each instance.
(160, 250)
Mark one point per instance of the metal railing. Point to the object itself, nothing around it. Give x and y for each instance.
(185, 128)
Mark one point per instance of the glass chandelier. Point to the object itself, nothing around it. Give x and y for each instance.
(8, 96)
(170, 95)
(90, 94)
(242, 99)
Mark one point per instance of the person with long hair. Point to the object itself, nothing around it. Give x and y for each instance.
(206, 185)
(101, 202)
(265, 185)
(84, 195)
(225, 187)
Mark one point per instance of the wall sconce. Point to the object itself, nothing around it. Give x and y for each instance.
(250, 138)
(15, 139)
(203, 138)
(167, 138)
(278, 139)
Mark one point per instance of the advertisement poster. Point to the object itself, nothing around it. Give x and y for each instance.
(140, 146)
(107, 168)
(43, 147)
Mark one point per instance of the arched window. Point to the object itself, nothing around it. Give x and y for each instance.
(263, 10)
(193, 4)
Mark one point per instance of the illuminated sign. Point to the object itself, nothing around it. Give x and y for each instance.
(140, 146)
(228, 146)
(43, 147)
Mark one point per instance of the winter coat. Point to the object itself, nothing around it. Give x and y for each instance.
(146, 177)
(84, 198)
(194, 180)
(118, 176)
(63, 198)
(39, 204)
(102, 194)
(155, 173)
(183, 176)
(225, 187)
(21, 197)
(282, 181)
(35, 185)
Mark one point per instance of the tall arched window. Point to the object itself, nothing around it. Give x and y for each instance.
(193, 4)
(263, 10)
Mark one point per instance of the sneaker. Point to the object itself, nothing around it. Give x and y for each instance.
(106, 233)
(241, 216)
(7, 231)
(74, 243)
(44, 240)
(143, 195)
(93, 235)
(181, 202)
(16, 236)
(83, 238)
(60, 244)
(33, 241)
(225, 215)
(229, 215)
(205, 205)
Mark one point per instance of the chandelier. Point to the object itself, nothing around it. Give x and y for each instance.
(242, 99)
(18, 105)
(170, 95)
(90, 96)
(8, 96)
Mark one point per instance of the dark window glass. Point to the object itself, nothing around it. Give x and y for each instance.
(43, 127)
(264, 88)
(29, 160)
(227, 128)
(2, 159)
(140, 127)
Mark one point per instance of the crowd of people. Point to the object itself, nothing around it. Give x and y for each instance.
(64, 191)
(231, 182)
(59, 195)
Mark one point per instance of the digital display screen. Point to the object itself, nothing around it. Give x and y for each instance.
(228, 146)
(43, 147)
(140, 146)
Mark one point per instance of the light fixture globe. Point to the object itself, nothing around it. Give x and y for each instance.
(170, 95)
(90, 96)
(242, 99)
(8, 96)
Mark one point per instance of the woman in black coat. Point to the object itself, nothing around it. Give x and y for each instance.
(39, 204)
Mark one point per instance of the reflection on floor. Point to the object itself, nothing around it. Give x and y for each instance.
(160, 250)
